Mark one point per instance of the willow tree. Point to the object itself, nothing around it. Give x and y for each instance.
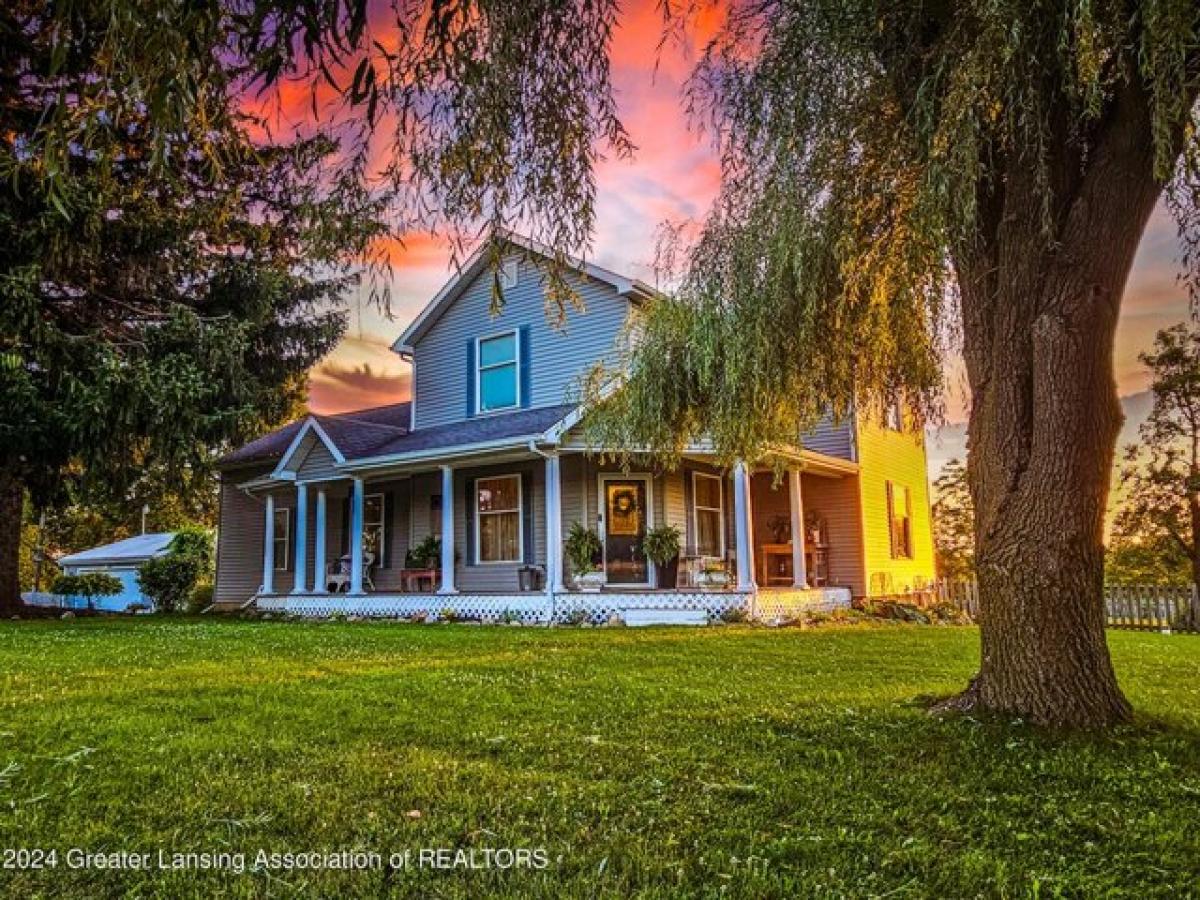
(882, 161)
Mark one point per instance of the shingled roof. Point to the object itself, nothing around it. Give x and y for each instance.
(384, 432)
(355, 434)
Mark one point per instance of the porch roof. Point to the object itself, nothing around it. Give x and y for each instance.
(382, 434)
(354, 433)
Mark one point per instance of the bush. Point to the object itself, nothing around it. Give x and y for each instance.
(202, 597)
(89, 586)
(171, 579)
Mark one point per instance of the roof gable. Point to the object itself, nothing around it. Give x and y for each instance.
(477, 263)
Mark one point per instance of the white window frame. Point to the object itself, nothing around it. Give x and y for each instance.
(479, 514)
(720, 510)
(381, 554)
(287, 537)
(509, 274)
(479, 370)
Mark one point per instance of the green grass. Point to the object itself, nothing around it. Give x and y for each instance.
(652, 762)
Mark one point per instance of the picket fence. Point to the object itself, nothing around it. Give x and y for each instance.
(1140, 607)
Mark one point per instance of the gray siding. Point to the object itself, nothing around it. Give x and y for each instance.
(315, 462)
(832, 439)
(239, 542)
(558, 356)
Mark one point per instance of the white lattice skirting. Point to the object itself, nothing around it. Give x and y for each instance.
(782, 604)
(769, 605)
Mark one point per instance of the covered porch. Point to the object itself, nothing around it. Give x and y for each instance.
(340, 539)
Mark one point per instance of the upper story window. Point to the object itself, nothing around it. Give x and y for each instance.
(899, 508)
(497, 364)
(508, 274)
(893, 415)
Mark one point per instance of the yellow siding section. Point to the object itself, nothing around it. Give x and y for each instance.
(885, 455)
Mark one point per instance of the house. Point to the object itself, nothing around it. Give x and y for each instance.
(121, 560)
(320, 517)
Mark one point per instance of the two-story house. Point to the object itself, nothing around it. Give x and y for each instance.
(321, 517)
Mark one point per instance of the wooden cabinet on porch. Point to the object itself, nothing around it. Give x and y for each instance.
(775, 564)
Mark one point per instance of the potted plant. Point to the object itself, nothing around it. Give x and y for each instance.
(713, 576)
(661, 546)
(583, 549)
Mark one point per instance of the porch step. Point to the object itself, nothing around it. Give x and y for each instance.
(640, 617)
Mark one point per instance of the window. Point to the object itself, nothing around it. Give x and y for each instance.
(374, 532)
(498, 536)
(709, 512)
(283, 536)
(497, 372)
(899, 506)
(508, 274)
(893, 416)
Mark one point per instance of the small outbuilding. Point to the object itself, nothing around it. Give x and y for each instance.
(121, 560)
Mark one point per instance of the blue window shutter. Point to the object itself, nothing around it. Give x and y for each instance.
(526, 369)
(471, 362)
(527, 515)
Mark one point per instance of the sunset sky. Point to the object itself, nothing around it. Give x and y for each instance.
(674, 176)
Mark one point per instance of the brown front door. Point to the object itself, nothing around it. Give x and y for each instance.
(625, 505)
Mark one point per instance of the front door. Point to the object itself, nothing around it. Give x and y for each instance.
(626, 505)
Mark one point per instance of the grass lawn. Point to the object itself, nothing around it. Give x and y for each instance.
(653, 762)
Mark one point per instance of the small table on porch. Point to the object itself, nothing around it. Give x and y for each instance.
(412, 579)
(781, 574)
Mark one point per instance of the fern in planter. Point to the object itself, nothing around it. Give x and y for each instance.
(661, 547)
(582, 548)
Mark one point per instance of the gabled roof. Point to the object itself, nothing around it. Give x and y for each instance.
(353, 433)
(477, 262)
(511, 428)
(371, 434)
(131, 550)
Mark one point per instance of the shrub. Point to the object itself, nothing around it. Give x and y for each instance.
(202, 597)
(582, 548)
(734, 615)
(578, 617)
(170, 580)
(89, 586)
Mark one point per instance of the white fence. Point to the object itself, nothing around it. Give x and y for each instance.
(1139, 607)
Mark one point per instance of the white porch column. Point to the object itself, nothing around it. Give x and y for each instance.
(356, 538)
(554, 549)
(448, 531)
(268, 576)
(319, 581)
(743, 533)
(300, 582)
(799, 570)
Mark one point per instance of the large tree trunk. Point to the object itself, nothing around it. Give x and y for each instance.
(1039, 320)
(12, 497)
